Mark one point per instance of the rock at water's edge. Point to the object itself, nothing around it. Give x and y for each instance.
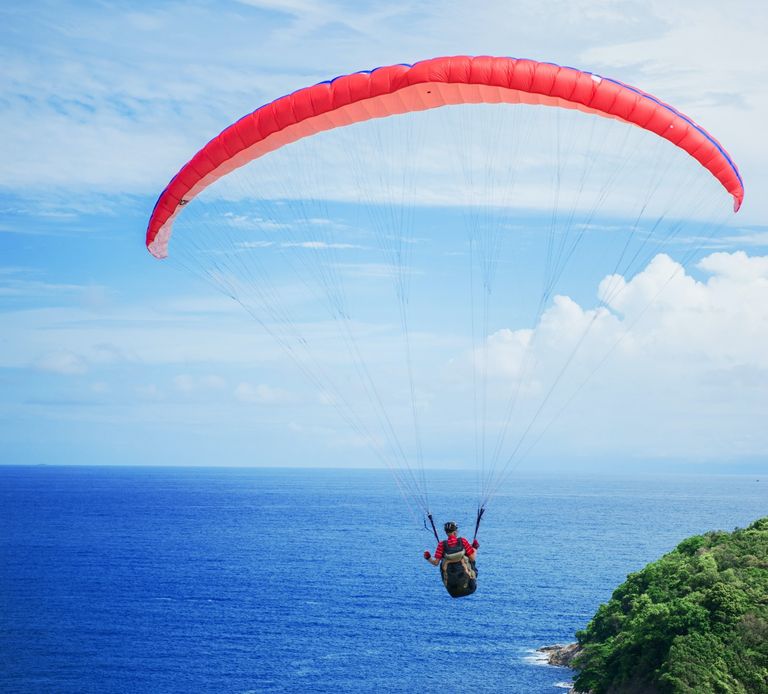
(561, 656)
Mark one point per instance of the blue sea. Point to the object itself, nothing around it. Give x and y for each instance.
(264, 580)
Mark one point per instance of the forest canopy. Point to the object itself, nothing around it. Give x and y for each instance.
(696, 620)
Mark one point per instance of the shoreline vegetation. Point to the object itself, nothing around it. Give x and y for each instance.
(694, 621)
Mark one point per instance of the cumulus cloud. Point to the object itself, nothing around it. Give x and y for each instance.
(506, 352)
(723, 319)
(738, 267)
(669, 364)
(662, 311)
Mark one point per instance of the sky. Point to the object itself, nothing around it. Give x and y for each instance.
(108, 356)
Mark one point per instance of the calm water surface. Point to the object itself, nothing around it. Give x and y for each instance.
(240, 580)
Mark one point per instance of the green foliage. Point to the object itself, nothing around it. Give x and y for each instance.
(693, 622)
(697, 662)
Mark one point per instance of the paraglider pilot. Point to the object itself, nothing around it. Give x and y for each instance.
(456, 558)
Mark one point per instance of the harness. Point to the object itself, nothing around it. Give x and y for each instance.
(458, 553)
(454, 556)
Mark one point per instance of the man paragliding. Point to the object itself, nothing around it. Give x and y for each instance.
(456, 558)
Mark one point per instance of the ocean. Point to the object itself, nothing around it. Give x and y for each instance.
(131, 579)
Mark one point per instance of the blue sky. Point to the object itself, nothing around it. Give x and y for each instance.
(108, 356)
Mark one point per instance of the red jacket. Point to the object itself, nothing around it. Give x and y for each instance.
(452, 542)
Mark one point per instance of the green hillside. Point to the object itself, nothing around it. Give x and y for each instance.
(696, 620)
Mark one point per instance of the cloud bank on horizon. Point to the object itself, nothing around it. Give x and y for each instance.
(116, 361)
(674, 368)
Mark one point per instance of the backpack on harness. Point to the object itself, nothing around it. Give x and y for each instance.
(458, 571)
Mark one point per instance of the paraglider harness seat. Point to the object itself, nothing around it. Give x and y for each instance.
(458, 570)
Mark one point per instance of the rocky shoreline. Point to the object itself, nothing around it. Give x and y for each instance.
(561, 656)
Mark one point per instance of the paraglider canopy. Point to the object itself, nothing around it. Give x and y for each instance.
(425, 85)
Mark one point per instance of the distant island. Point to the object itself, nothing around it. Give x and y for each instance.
(693, 622)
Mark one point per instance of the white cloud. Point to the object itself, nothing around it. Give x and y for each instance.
(335, 437)
(685, 360)
(214, 304)
(261, 394)
(186, 383)
(34, 288)
(736, 267)
(310, 245)
(213, 382)
(62, 362)
(144, 337)
(663, 315)
(298, 8)
(374, 270)
(747, 238)
(320, 245)
(149, 391)
(254, 244)
(506, 352)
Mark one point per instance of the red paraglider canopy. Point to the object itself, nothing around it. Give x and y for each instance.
(425, 85)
